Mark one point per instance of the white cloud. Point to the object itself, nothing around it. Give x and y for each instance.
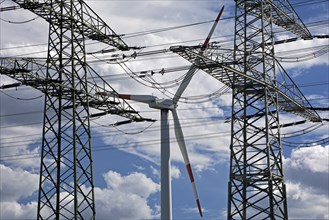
(175, 172)
(155, 171)
(135, 183)
(194, 211)
(306, 202)
(314, 159)
(307, 183)
(16, 183)
(15, 210)
(126, 197)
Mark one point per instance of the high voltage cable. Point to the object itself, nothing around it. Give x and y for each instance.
(202, 120)
(143, 111)
(20, 22)
(140, 144)
(101, 134)
(148, 142)
(44, 51)
(115, 132)
(210, 120)
(148, 31)
(299, 144)
(40, 123)
(307, 1)
(22, 99)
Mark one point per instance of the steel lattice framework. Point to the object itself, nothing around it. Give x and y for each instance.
(259, 91)
(66, 178)
(66, 189)
(256, 186)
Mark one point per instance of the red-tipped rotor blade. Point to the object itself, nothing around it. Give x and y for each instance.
(193, 69)
(138, 98)
(182, 147)
(206, 42)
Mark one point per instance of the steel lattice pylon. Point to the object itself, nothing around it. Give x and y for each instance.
(66, 188)
(256, 186)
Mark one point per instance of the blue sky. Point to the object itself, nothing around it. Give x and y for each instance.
(126, 166)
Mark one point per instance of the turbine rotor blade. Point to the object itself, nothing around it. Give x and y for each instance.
(206, 42)
(193, 68)
(138, 98)
(182, 147)
(184, 84)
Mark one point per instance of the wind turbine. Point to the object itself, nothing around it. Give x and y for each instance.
(165, 105)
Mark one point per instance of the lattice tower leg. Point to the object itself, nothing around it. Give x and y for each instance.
(256, 186)
(66, 189)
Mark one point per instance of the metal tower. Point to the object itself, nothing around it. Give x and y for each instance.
(66, 189)
(256, 187)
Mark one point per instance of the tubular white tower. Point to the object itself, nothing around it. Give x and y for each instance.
(165, 167)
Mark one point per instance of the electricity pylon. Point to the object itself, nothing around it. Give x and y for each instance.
(66, 189)
(256, 186)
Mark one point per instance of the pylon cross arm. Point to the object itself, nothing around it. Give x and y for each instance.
(290, 97)
(85, 21)
(32, 72)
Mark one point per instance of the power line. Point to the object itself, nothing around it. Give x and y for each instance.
(128, 145)
(161, 29)
(196, 122)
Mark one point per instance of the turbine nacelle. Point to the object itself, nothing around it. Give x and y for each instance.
(152, 101)
(163, 104)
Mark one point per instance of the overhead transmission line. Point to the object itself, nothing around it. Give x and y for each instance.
(310, 25)
(148, 143)
(110, 131)
(167, 28)
(131, 145)
(180, 109)
(156, 141)
(192, 123)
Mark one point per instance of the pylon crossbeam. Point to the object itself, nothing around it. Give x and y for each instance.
(32, 72)
(86, 21)
(221, 67)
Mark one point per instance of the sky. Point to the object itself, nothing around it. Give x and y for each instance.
(127, 158)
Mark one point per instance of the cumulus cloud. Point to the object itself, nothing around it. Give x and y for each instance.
(307, 183)
(314, 159)
(126, 197)
(15, 210)
(16, 184)
(306, 202)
